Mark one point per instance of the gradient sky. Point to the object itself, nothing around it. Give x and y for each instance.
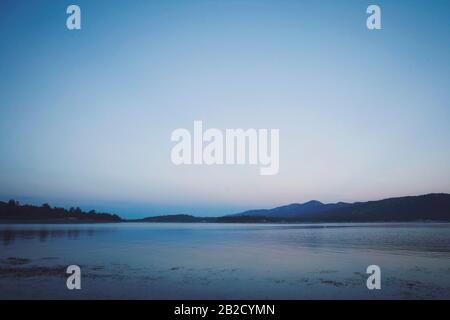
(86, 116)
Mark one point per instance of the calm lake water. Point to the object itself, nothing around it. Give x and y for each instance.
(226, 261)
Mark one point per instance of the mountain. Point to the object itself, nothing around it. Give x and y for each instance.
(433, 207)
(430, 207)
(295, 209)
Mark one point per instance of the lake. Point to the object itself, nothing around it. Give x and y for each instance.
(225, 261)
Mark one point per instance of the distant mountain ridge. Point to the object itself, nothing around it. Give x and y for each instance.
(435, 206)
(296, 209)
(429, 207)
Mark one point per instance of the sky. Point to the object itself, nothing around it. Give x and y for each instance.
(86, 115)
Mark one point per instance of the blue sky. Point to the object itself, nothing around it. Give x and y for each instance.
(86, 116)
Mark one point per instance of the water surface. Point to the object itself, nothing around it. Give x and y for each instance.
(226, 261)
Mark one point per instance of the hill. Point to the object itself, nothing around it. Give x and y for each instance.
(432, 207)
(13, 212)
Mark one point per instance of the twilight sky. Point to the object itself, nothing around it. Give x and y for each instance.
(86, 116)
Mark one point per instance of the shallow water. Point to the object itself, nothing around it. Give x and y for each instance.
(226, 261)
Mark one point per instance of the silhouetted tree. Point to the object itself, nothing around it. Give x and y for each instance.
(46, 206)
(13, 203)
(12, 211)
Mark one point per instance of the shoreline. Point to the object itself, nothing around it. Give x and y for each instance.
(54, 222)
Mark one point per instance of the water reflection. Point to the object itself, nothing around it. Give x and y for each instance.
(9, 235)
